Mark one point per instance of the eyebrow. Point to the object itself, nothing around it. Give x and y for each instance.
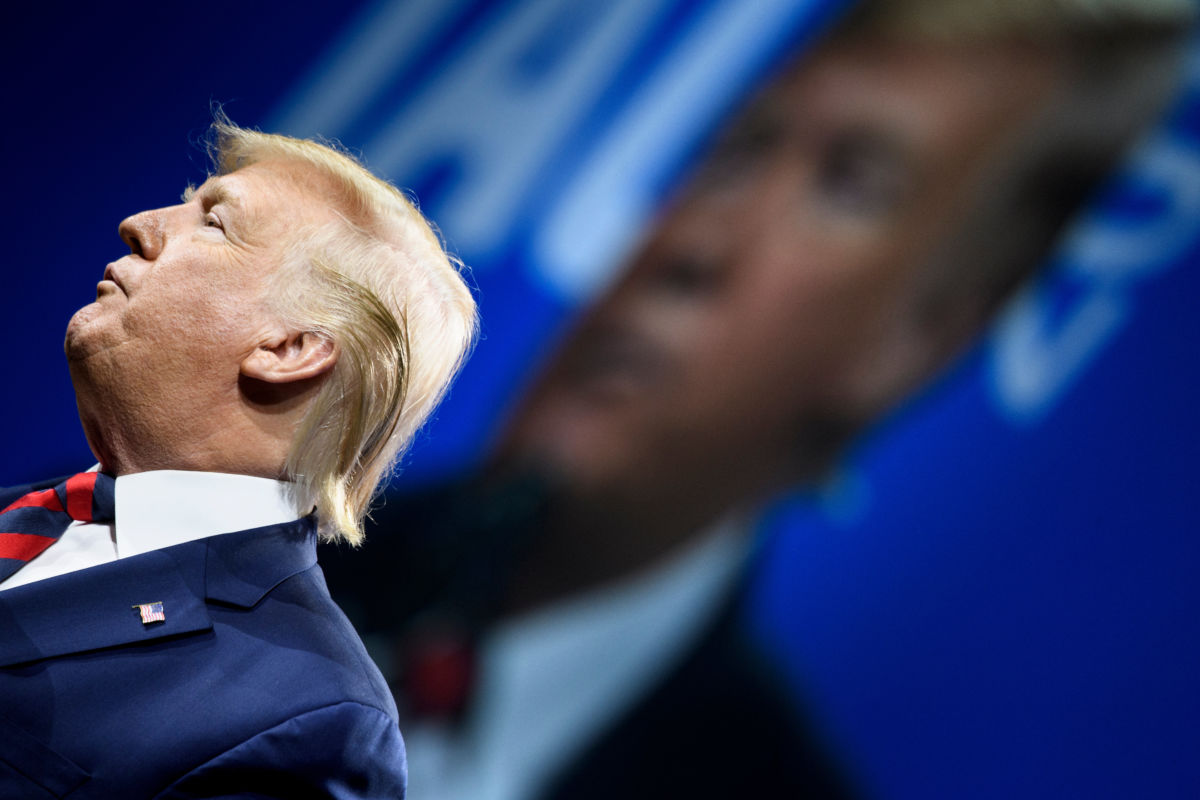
(214, 193)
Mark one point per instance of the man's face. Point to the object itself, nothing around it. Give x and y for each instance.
(770, 310)
(174, 318)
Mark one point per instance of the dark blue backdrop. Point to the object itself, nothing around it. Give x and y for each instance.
(995, 600)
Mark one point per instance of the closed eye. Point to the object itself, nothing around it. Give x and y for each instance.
(863, 173)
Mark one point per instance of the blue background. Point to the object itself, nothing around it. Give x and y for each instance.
(996, 598)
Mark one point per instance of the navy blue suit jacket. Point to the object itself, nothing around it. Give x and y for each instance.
(255, 685)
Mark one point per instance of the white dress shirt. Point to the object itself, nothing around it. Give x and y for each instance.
(158, 509)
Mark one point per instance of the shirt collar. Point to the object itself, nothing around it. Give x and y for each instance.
(168, 507)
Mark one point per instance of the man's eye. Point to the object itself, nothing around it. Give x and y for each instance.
(861, 176)
(689, 276)
(211, 220)
(747, 147)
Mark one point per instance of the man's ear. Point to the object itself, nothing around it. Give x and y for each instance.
(291, 356)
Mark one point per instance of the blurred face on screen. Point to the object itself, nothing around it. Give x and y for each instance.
(770, 312)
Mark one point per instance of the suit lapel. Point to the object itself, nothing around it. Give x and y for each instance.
(97, 607)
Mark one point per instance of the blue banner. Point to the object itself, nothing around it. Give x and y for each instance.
(995, 598)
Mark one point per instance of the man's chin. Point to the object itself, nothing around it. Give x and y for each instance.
(81, 339)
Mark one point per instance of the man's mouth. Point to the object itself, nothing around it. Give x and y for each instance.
(610, 364)
(110, 279)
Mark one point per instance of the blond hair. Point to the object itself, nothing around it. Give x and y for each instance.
(379, 283)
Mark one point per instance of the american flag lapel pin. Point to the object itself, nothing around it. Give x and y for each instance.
(151, 612)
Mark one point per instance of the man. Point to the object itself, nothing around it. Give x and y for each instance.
(267, 348)
(847, 238)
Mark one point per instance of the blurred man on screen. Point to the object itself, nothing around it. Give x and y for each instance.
(850, 233)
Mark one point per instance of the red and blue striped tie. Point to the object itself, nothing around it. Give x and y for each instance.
(38, 519)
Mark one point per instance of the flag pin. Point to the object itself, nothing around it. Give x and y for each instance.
(151, 612)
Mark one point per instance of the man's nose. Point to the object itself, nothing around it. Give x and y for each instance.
(143, 233)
